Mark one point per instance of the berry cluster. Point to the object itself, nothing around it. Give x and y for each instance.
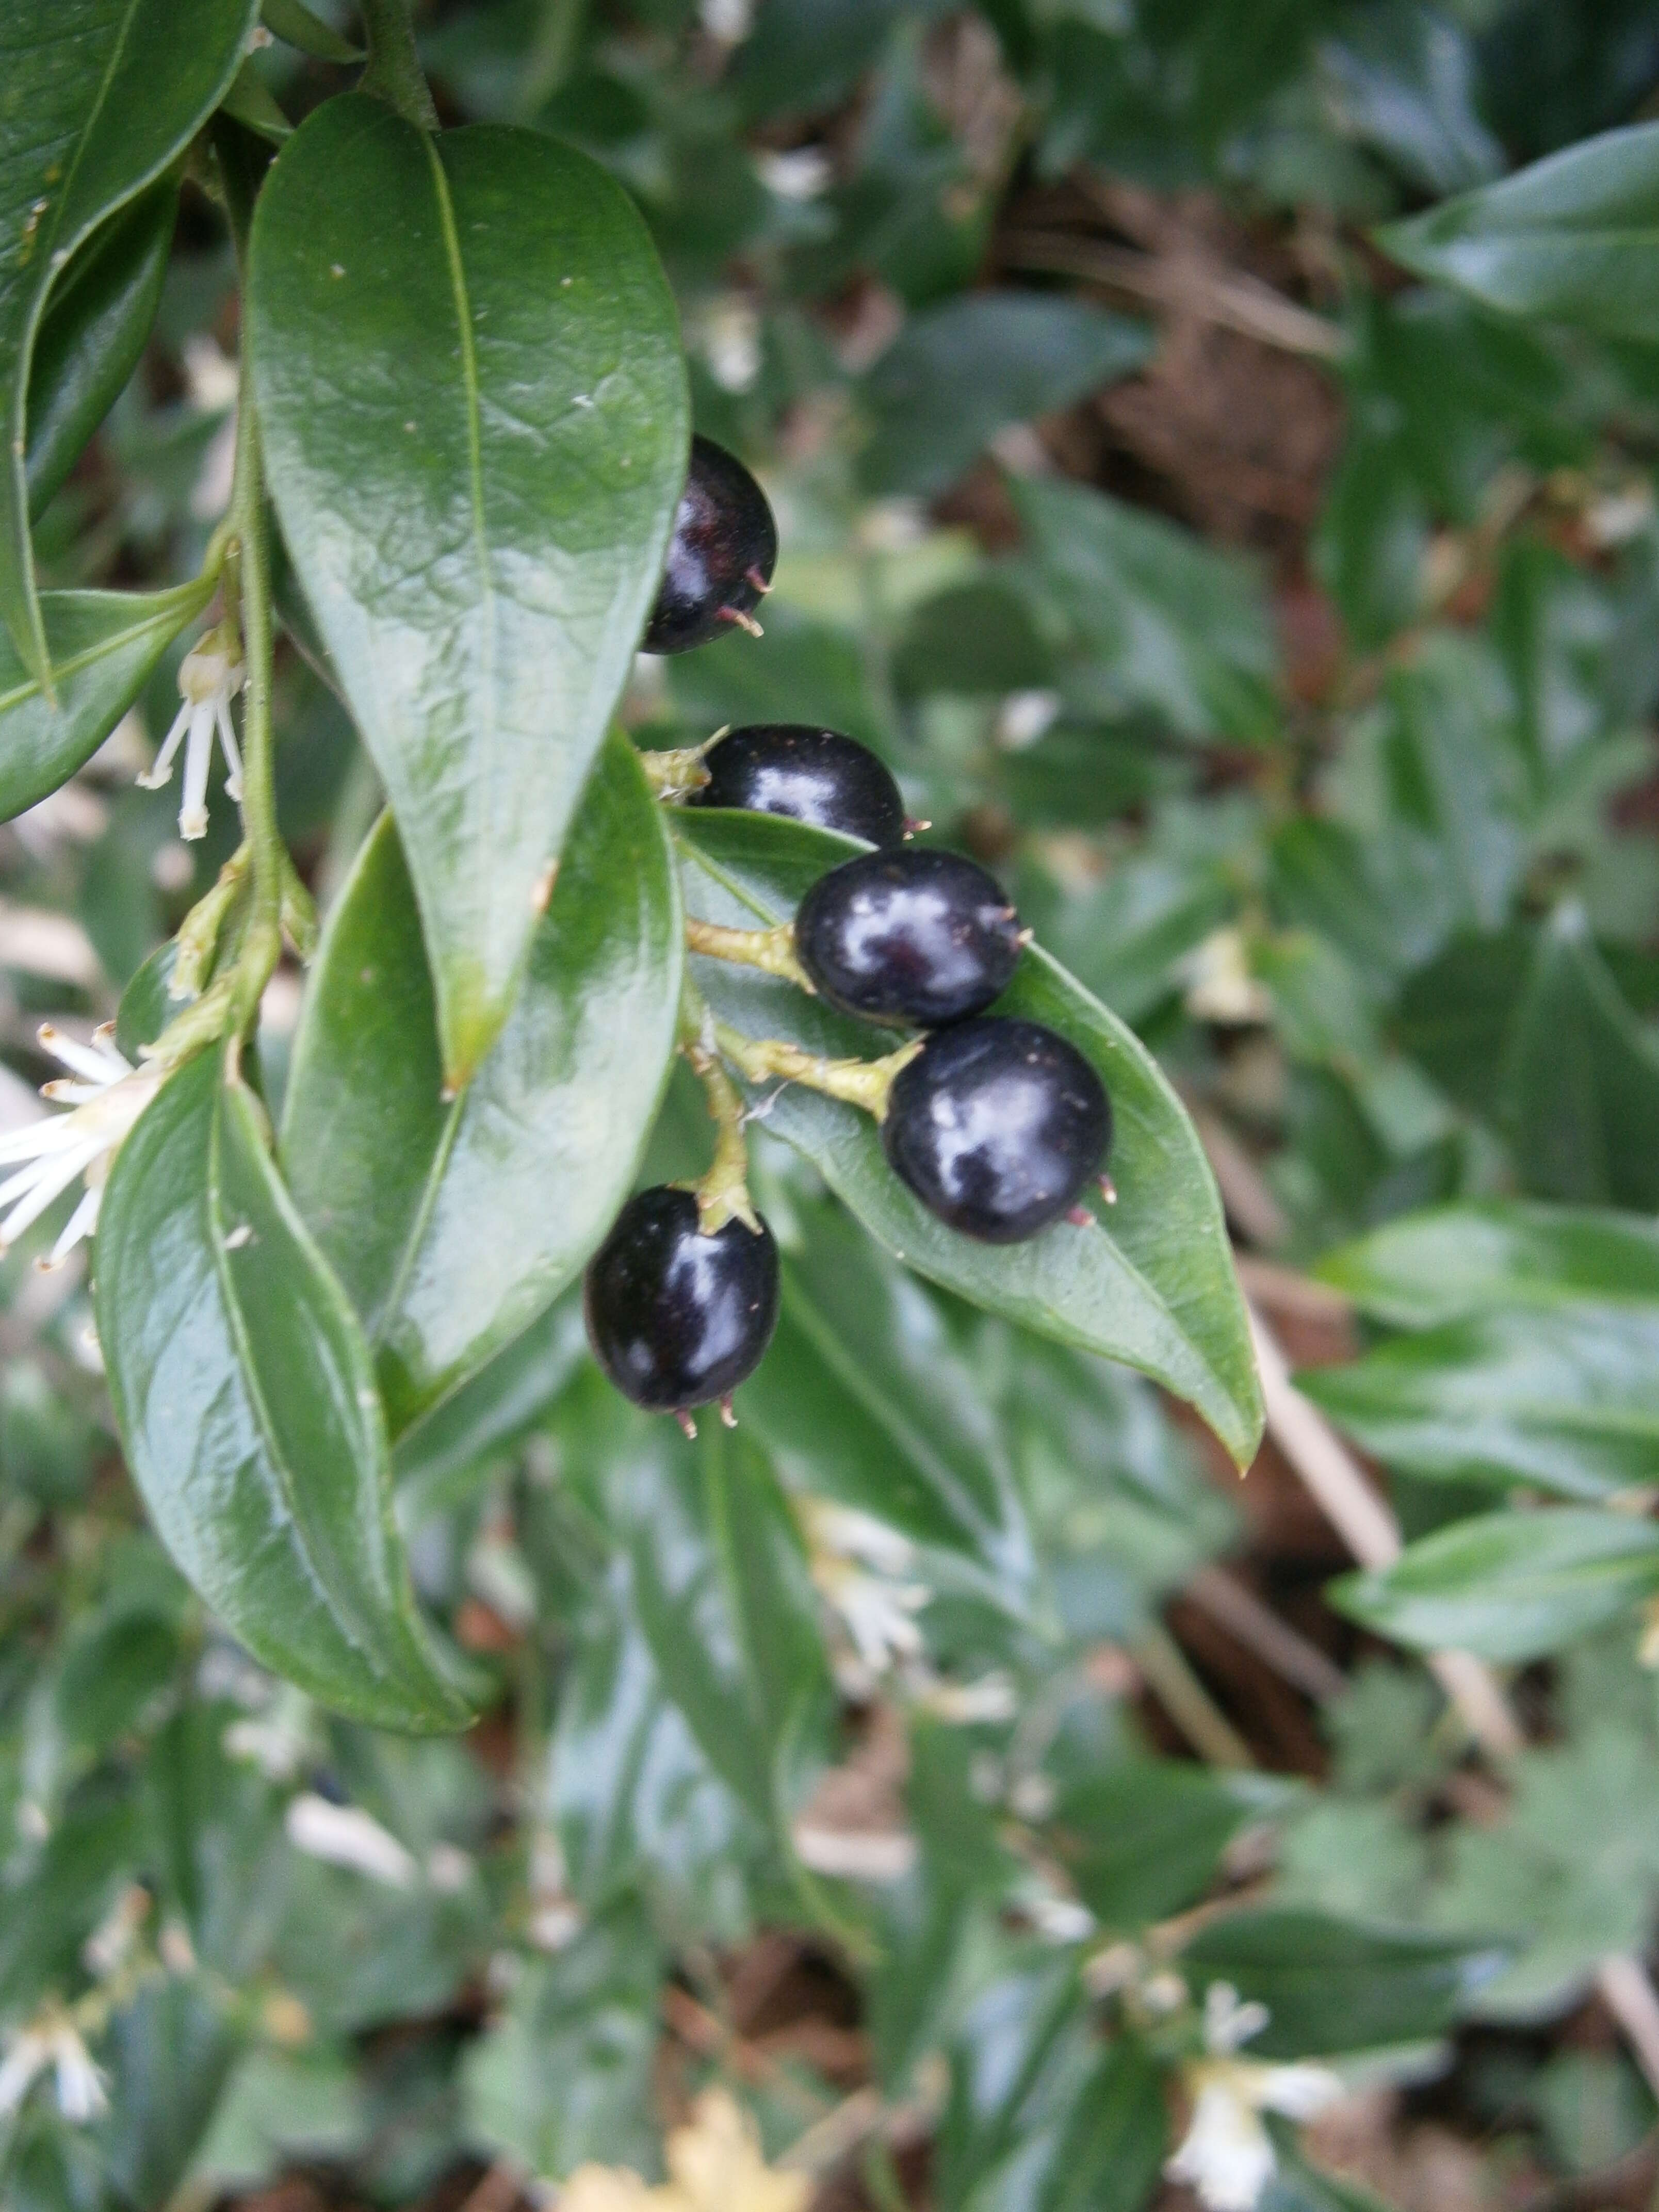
(996, 1124)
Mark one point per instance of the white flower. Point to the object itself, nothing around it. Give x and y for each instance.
(108, 1094)
(53, 2040)
(800, 174)
(344, 1835)
(1227, 2154)
(876, 1608)
(1220, 985)
(209, 677)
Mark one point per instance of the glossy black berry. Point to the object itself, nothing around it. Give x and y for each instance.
(721, 557)
(811, 774)
(676, 1318)
(920, 937)
(997, 1126)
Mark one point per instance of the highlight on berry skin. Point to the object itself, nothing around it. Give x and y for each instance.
(917, 936)
(998, 1125)
(721, 556)
(811, 774)
(677, 1319)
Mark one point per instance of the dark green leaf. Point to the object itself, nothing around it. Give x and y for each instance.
(1143, 1839)
(247, 1402)
(862, 1397)
(1569, 239)
(292, 22)
(1468, 1258)
(1581, 1078)
(99, 96)
(1109, 2152)
(1332, 1984)
(104, 646)
(1456, 774)
(1155, 1289)
(719, 1589)
(1403, 81)
(169, 2054)
(1566, 1398)
(1173, 625)
(1508, 1585)
(997, 2059)
(487, 1413)
(94, 332)
(216, 1841)
(453, 1223)
(958, 373)
(478, 515)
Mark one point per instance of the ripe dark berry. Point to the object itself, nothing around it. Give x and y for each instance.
(721, 557)
(997, 1126)
(811, 774)
(919, 936)
(676, 1318)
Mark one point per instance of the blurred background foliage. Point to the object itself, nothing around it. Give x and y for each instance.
(1286, 631)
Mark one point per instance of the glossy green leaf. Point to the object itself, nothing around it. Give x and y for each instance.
(93, 336)
(453, 1223)
(1168, 622)
(247, 1402)
(292, 22)
(1332, 1984)
(720, 1590)
(96, 98)
(1508, 1586)
(1570, 239)
(169, 2055)
(1403, 80)
(1151, 1284)
(1472, 1257)
(478, 515)
(104, 646)
(958, 373)
(637, 1802)
(862, 1398)
(1566, 1398)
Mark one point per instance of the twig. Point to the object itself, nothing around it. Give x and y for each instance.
(1255, 1212)
(1236, 302)
(1187, 1701)
(1629, 1997)
(1259, 1629)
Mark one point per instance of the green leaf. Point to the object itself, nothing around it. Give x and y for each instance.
(247, 1402)
(104, 646)
(1508, 1586)
(1402, 79)
(1466, 1259)
(478, 514)
(566, 2074)
(1332, 1984)
(862, 1397)
(292, 22)
(452, 1223)
(169, 2056)
(1142, 1838)
(1571, 239)
(1177, 627)
(719, 1587)
(90, 342)
(98, 96)
(1581, 1078)
(1007, 2043)
(1456, 774)
(636, 1800)
(1566, 1398)
(958, 373)
(1155, 1289)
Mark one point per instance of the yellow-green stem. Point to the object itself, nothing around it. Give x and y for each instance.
(771, 950)
(198, 940)
(722, 1193)
(864, 1083)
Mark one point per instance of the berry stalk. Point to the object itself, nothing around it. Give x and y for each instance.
(772, 951)
(867, 1083)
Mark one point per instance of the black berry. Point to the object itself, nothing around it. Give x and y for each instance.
(997, 1126)
(811, 774)
(676, 1318)
(721, 557)
(921, 937)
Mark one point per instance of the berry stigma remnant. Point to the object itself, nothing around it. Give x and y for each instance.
(923, 938)
(811, 774)
(721, 557)
(997, 1126)
(676, 1318)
